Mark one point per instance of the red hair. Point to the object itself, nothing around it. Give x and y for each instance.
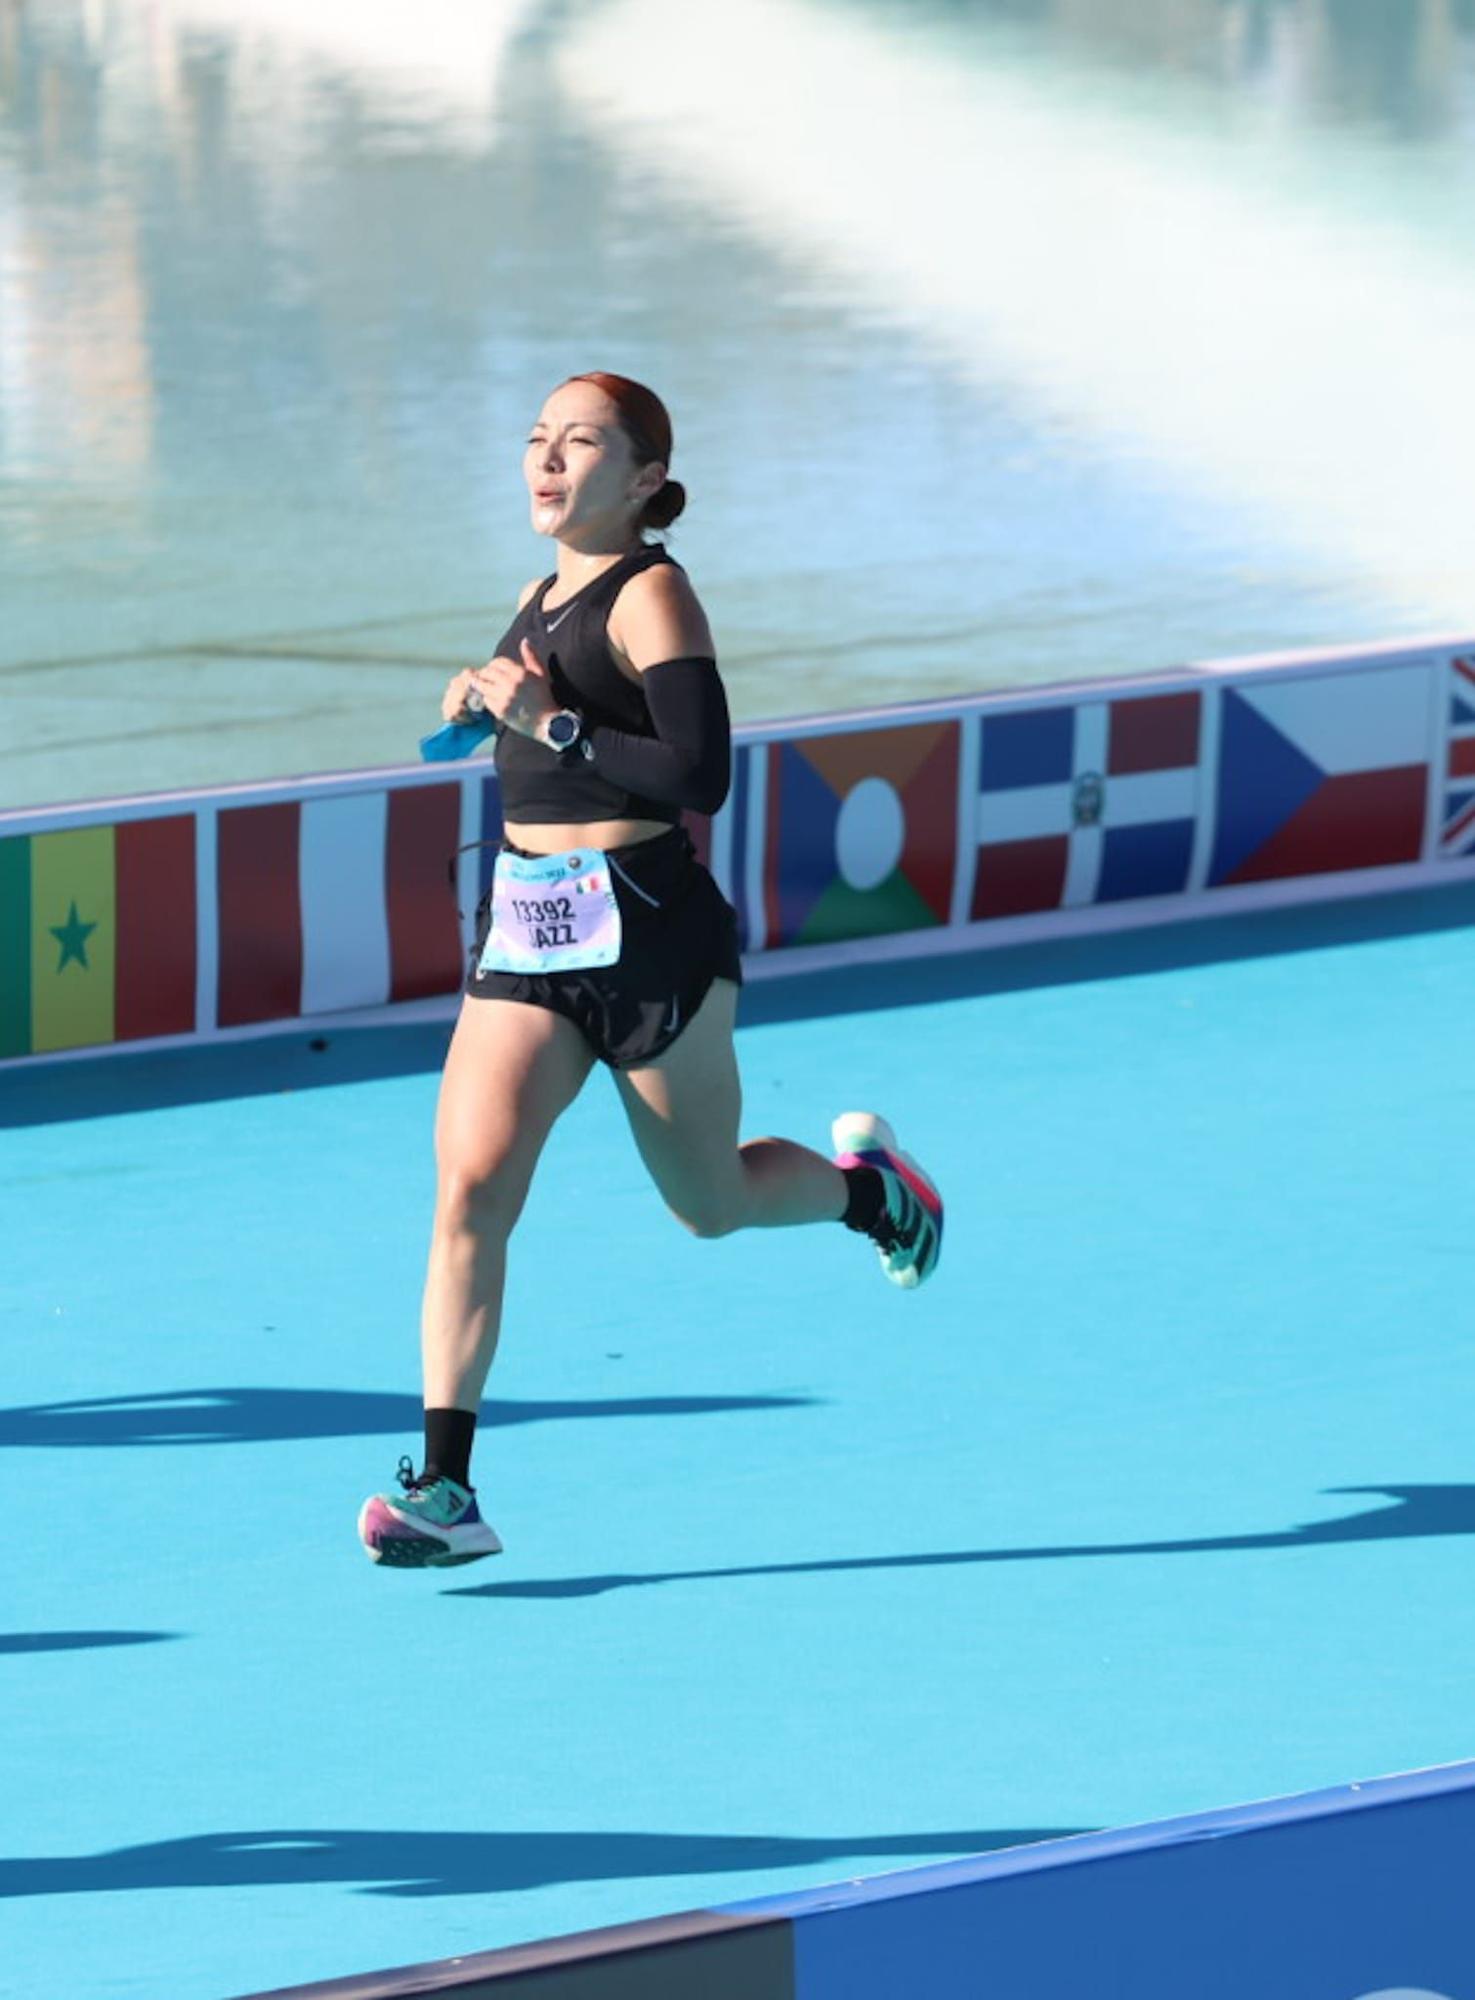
(647, 424)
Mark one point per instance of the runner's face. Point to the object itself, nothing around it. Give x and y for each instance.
(580, 469)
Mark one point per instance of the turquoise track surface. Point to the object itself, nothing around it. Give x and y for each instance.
(1157, 1499)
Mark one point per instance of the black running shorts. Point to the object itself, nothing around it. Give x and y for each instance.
(679, 933)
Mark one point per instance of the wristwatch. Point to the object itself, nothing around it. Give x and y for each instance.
(563, 729)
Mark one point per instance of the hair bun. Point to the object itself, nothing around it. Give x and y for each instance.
(664, 505)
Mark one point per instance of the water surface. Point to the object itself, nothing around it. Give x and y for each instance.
(1006, 341)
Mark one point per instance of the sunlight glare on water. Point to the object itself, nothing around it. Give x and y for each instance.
(1005, 341)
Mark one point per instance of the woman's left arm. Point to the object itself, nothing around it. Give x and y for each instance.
(659, 632)
(657, 616)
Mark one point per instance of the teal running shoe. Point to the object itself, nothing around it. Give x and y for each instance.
(432, 1524)
(908, 1232)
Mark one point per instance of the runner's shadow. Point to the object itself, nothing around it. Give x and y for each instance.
(1419, 1512)
(70, 1642)
(466, 1864)
(263, 1416)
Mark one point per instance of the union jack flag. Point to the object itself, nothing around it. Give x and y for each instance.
(1457, 833)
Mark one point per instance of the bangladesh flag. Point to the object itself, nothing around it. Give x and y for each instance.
(97, 935)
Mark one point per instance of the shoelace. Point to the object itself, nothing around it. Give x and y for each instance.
(409, 1478)
(414, 1482)
(899, 1232)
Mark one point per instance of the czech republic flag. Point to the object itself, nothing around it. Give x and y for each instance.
(1322, 773)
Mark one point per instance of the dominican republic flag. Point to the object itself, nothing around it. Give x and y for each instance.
(337, 902)
(1457, 820)
(1321, 773)
(1088, 804)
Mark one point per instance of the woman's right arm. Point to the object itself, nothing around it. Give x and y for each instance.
(453, 704)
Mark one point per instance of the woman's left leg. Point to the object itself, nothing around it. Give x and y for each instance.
(684, 1110)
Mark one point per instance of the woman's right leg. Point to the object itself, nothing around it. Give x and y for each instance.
(511, 1070)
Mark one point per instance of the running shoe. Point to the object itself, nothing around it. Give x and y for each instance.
(432, 1524)
(908, 1231)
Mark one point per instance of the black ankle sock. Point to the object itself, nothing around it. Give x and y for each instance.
(867, 1198)
(448, 1436)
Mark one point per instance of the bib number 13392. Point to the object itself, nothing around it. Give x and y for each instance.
(552, 913)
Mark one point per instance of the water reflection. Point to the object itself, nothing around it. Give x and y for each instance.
(1038, 359)
(1402, 65)
(1249, 335)
(78, 379)
(1406, 67)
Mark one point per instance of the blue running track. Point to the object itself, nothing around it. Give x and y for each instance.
(1158, 1498)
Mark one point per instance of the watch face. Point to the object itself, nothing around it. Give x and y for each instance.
(562, 729)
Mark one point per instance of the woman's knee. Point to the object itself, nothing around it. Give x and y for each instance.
(706, 1224)
(479, 1198)
(709, 1212)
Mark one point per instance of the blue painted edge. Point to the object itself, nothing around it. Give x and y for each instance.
(1405, 1788)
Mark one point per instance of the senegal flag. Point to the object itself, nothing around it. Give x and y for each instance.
(97, 935)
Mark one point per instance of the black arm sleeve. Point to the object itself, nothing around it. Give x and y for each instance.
(688, 762)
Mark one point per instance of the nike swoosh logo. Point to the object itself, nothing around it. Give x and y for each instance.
(554, 623)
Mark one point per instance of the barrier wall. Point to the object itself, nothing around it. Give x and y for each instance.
(1362, 1893)
(895, 832)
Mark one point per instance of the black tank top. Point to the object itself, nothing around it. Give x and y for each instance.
(540, 786)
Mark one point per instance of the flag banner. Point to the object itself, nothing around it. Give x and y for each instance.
(327, 904)
(421, 838)
(157, 926)
(1457, 817)
(74, 937)
(259, 913)
(294, 900)
(861, 833)
(1321, 773)
(15, 946)
(97, 935)
(340, 883)
(1095, 803)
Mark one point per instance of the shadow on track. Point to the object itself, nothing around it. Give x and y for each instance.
(468, 1864)
(265, 1416)
(1420, 1511)
(74, 1642)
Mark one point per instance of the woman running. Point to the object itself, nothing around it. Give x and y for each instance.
(602, 937)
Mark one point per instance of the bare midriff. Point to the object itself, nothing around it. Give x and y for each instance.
(560, 839)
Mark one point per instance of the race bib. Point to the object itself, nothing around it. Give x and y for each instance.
(552, 913)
